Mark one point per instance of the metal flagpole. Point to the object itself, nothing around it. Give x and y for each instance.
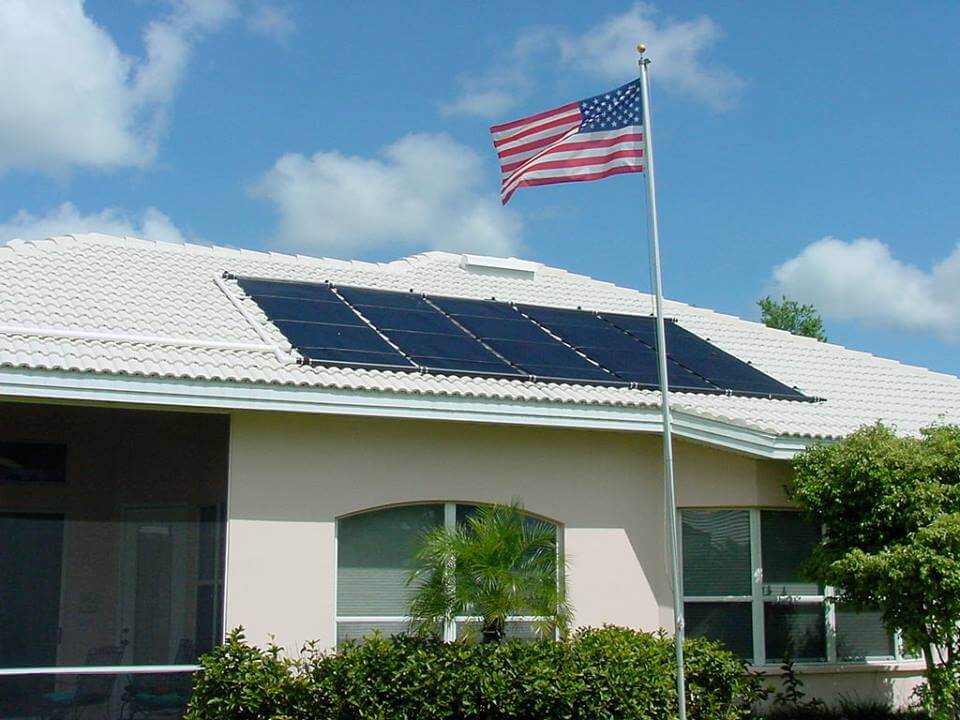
(671, 500)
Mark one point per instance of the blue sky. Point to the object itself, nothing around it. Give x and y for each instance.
(808, 149)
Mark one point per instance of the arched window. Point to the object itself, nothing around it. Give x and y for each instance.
(375, 552)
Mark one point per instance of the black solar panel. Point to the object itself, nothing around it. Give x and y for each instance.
(295, 309)
(424, 334)
(403, 330)
(320, 325)
(287, 289)
(523, 343)
(720, 368)
(624, 355)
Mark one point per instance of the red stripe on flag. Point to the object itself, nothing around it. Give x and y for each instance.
(565, 120)
(543, 164)
(533, 145)
(572, 178)
(524, 121)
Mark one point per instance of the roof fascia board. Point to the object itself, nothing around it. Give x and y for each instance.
(228, 396)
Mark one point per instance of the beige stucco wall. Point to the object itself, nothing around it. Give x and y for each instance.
(891, 684)
(292, 476)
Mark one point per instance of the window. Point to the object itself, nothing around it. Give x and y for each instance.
(32, 462)
(861, 635)
(375, 552)
(743, 585)
(716, 570)
(794, 611)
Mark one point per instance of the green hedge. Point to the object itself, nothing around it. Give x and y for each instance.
(608, 673)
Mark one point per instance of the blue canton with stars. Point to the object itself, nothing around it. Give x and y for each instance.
(616, 109)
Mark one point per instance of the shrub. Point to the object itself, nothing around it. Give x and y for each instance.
(602, 674)
(243, 682)
(892, 507)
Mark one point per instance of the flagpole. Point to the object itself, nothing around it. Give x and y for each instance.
(671, 500)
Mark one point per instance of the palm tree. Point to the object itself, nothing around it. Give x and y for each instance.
(500, 563)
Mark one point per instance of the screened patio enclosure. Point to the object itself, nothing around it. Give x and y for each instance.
(112, 560)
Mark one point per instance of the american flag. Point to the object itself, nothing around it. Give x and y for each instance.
(586, 140)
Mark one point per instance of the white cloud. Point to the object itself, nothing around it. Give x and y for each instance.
(202, 15)
(71, 98)
(676, 48)
(861, 280)
(479, 101)
(506, 82)
(607, 51)
(421, 192)
(273, 21)
(151, 224)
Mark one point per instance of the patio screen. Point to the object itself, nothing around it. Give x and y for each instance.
(119, 565)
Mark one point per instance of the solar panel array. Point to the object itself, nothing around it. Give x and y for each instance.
(424, 334)
(625, 355)
(362, 327)
(321, 325)
(523, 343)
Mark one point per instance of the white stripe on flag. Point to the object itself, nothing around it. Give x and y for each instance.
(559, 153)
(608, 134)
(584, 169)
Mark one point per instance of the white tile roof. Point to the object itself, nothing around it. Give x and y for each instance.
(122, 306)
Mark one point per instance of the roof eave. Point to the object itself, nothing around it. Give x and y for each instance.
(128, 390)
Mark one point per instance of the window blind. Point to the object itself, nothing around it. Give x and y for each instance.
(729, 622)
(716, 552)
(861, 635)
(786, 541)
(375, 554)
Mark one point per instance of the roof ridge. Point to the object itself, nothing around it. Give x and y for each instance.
(19, 245)
(426, 257)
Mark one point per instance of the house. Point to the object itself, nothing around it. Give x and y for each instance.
(182, 451)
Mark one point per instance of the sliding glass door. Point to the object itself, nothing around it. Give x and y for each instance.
(31, 566)
(154, 582)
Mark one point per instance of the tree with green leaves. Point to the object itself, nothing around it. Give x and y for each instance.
(500, 563)
(791, 316)
(891, 509)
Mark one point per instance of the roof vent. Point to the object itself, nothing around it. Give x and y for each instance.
(501, 267)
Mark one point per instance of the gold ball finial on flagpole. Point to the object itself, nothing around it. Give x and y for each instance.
(641, 48)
